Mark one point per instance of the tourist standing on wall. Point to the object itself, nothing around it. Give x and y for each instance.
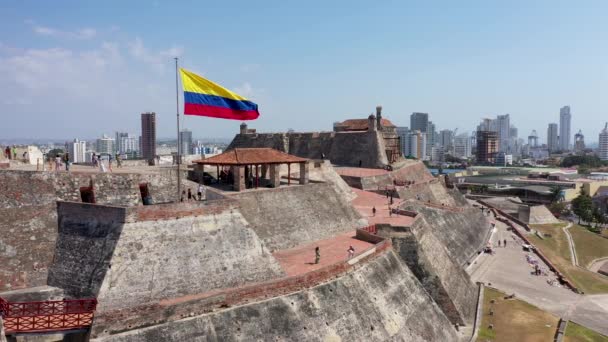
(201, 192)
(317, 255)
(66, 160)
(57, 163)
(102, 167)
(351, 252)
(118, 160)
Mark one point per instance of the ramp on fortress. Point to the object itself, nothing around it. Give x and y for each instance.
(290, 216)
(381, 301)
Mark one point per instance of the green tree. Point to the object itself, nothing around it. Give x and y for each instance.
(558, 208)
(54, 153)
(556, 194)
(582, 206)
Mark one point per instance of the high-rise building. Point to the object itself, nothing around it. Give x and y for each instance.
(579, 142)
(126, 143)
(416, 146)
(77, 150)
(105, 145)
(148, 135)
(513, 132)
(462, 146)
(564, 128)
(446, 140)
(185, 139)
(552, 139)
(503, 128)
(403, 134)
(487, 147)
(431, 137)
(603, 145)
(533, 139)
(419, 122)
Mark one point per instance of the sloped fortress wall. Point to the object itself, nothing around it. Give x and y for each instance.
(291, 216)
(463, 233)
(342, 148)
(131, 256)
(381, 301)
(28, 216)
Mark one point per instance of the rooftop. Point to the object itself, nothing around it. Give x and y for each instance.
(361, 124)
(250, 156)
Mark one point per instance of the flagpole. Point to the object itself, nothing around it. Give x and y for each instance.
(179, 158)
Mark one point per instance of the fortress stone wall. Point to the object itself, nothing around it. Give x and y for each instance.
(131, 256)
(291, 216)
(342, 148)
(28, 215)
(381, 301)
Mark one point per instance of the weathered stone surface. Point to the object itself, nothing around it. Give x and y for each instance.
(291, 216)
(342, 148)
(382, 301)
(28, 219)
(124, 259)
(33, 294)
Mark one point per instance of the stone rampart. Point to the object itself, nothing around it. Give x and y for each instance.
(290, 216)
(379, 301)
(462, 233)
(28, 218)
(127, 259)
(342, 148)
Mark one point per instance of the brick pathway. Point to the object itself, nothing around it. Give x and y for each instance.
(366, 200)
(300, 260)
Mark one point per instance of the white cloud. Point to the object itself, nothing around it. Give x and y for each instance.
(81, 34)
(159, 60)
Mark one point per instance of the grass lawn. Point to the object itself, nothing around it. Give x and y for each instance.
(557, 250)
(514, 320)
(578, 333)
(588, 245)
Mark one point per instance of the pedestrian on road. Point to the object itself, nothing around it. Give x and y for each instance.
(189, 195)
(374, 211)
(317, 255)
(201, 190)
(505, 243)
(118, 161)
(183, 196)
(390, 212)
(498, 242)
(66, 160)
(351, 252)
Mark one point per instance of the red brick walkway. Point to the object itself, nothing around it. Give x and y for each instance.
(300, 260)
(366, 200)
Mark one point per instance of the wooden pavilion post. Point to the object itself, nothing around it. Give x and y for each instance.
(288, 174)
(257, 178)
(218, 173)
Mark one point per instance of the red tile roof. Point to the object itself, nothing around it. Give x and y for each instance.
(248, 156)
(361, 124)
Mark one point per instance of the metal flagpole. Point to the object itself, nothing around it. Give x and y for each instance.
(179, 157)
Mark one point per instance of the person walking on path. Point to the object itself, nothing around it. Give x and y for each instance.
(189, 195)
(351, 252)
(94, 159)
(317, 255)
(201, 192)
(118, 161)
(14, 152)
(498, 242)
(374, 211)
(390, 212)
(504, 243)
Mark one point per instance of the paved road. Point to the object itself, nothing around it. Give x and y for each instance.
(508, 271)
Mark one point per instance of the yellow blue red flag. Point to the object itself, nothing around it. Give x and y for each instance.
(205, 98)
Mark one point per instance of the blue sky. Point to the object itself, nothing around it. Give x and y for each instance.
(82, 68)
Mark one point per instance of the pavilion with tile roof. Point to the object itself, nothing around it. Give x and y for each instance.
(248, 167)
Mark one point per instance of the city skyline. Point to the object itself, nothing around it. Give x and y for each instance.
(87, 71)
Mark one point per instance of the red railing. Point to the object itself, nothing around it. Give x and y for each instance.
(47, 316)
(371, 229)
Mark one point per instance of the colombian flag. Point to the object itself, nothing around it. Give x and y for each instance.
(205, 98)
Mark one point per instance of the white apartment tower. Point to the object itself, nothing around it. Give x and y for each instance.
(564, 128)
(77, 150)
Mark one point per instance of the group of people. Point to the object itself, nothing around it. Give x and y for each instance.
(201, 194)
(350, 251)
(10, 152)
(97, 161)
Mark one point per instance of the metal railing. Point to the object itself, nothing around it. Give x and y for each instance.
(48, 315)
